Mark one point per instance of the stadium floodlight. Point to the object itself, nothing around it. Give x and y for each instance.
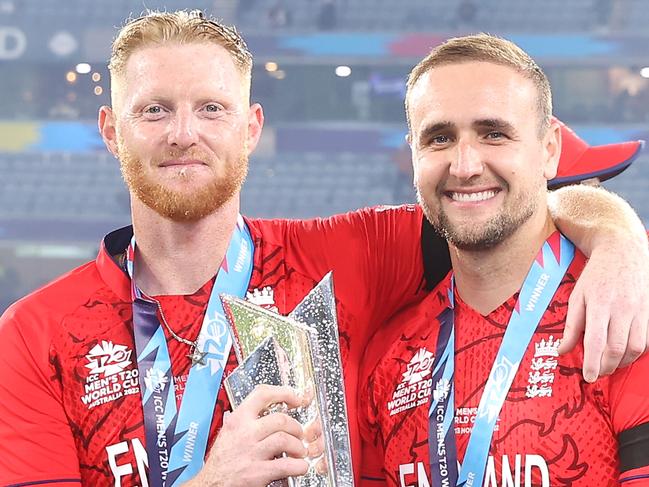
(271, 66)
(644, 72)
(343, 71)
(83, 68)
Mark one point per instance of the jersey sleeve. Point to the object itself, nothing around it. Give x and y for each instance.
(36, 444)
(629, 405)
(375, 255)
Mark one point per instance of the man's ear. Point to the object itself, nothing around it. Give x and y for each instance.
(106, 123)
(413, 158)
(255, 126)
(552, 150)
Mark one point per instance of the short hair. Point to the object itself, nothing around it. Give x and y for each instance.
(491, 49)
(182, 26)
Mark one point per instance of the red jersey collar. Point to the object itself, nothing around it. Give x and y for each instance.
(115, 277)
(116, 243)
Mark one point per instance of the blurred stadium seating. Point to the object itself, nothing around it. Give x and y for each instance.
(98, 13)
(61, 186)
(442, 15)
(633, 185)
(313, 184)
(630, 16)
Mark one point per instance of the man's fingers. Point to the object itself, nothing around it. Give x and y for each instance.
(638, 336)
(595, 336)
(321, 466)
(308, 395)
(575, 323)
(279, 443)
(637, 341)
(314, 438)
(618, 339)
(275, 422)
(313, 430)
(265, 395)
(316, 447)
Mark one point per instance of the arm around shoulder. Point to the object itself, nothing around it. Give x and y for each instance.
(592, 217)
(610, 302)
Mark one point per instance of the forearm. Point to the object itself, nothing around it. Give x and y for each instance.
(591, 217)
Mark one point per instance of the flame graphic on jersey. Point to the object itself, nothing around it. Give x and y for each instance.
(108, 359)
(419, 366)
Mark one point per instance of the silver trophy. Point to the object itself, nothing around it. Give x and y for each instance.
(301, 350)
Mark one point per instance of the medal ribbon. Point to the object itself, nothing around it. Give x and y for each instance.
(540, 285)
(176, 441)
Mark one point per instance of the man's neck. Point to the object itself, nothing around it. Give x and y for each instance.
(487, 278)
(179, 258)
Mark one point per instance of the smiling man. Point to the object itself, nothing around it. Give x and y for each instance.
(111, 375)
(467, 387)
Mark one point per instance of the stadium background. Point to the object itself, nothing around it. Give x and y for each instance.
(331, 77)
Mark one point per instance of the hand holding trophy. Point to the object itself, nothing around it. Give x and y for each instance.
(300, 351)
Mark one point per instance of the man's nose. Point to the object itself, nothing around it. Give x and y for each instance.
(183, 130)
(467, 161)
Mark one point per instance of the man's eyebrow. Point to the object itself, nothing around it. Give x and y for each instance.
(142, 101)
(493, 123)
(432, 129)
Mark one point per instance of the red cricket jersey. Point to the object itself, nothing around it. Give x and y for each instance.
(71, 410)
(554, 428)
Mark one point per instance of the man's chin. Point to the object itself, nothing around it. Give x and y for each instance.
(472, 235)
(180, 215)
(474, 243)
(187, 211)
(188, 205)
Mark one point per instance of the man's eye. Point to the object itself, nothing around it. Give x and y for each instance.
(153, 110)
(495, 135)
(213, 107)
(440, 139)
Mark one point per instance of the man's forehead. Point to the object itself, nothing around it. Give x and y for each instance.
(469, 74)
(200, 67)
(465, 93)
(167, 55)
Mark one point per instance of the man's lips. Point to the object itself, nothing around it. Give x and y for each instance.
(472, 196)
(182, 162)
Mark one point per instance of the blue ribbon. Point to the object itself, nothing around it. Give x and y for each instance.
(176, 441)
(540, 285)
